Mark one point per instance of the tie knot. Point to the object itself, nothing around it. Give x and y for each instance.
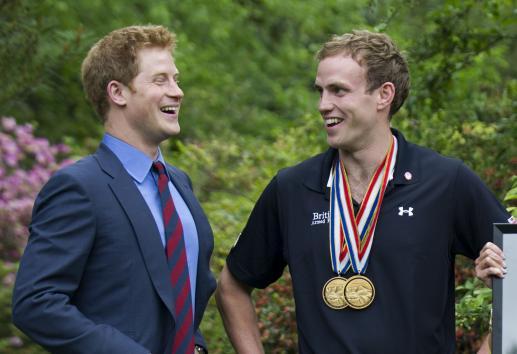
(159, 167)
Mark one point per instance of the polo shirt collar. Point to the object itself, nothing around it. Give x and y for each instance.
(407, 168)
(316, 179)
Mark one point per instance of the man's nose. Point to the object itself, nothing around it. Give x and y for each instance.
(174, 90)
(325, 104)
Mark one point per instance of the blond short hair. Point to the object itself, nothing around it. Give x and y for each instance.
(381, 58)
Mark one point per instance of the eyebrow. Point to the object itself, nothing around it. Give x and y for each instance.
(334, 84)
(338, 83)
(164, 74)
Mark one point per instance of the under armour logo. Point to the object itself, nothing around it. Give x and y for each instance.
(409, 212)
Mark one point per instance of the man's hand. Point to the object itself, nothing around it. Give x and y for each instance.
(486, 345)
(490, 263)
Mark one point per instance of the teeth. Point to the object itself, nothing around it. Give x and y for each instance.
(168, 109)
(330, 121)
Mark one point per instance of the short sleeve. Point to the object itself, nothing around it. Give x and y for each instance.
(476, 210)
(257, 258)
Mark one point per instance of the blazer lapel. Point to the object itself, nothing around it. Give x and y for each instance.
(142, 221)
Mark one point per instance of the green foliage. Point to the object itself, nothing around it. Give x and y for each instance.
(230, 172)
(463, 92)
(473, 311)
(222, 53)
(277, 320)
(511, 197)
(473, 308)
(247, 70)
(16, 41)
(11, 339)
(7, 271)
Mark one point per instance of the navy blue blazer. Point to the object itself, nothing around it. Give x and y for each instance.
(93, 278)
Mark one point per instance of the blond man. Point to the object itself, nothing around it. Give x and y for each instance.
(369, 229)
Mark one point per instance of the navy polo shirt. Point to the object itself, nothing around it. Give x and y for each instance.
(434, 208)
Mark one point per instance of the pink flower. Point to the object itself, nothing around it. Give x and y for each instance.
(15, 342)
(8, 123)
(26, 163)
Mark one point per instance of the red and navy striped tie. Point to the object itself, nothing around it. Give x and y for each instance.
(183, 342)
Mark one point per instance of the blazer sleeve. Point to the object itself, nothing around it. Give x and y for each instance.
(62, 233)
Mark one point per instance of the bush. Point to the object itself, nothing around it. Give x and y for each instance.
(511, 197)
(26, 163)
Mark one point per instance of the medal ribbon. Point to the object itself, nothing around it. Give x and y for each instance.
(351, 237)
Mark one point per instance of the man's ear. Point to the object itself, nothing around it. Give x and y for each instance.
(117, 93)
(386, 95)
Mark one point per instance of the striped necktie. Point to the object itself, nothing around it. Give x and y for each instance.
(183, 342)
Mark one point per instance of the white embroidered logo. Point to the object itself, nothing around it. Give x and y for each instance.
(409, 211)
(320, 218)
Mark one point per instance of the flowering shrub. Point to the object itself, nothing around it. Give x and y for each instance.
(26, 163)
(277, 319)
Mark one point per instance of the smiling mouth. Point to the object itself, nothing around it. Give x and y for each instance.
(169, 109)
(330, 122)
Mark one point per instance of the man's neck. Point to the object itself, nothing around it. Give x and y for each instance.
(150, 150)
(361, 164)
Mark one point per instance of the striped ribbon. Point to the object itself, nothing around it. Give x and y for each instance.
(351, 237)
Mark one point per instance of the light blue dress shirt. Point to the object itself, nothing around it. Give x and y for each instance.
(138, 165)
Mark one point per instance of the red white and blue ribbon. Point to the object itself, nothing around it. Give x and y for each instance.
(351, 236)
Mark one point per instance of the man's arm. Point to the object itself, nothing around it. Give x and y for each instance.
(62, 235)
(238, 313)
(486, 345)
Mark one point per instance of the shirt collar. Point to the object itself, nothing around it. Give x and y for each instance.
(406, 163)
(135, 162)
(390, 177)
(407, 167)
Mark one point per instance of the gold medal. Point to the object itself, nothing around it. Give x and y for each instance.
(351, 234)
(334, 293)
(359, 292)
